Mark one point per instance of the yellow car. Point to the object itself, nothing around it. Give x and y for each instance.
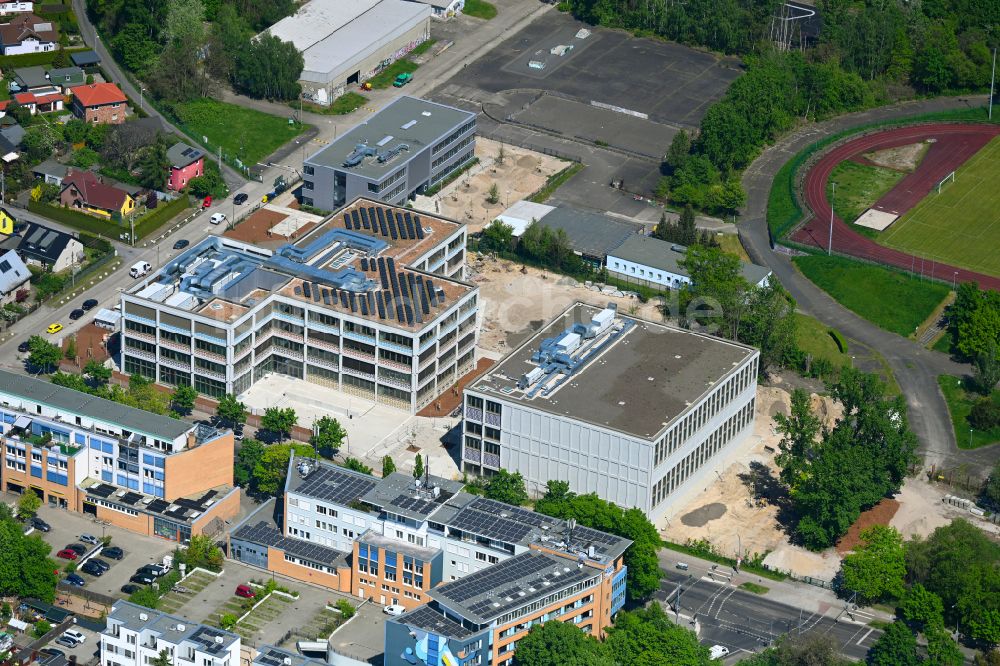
(54, 328)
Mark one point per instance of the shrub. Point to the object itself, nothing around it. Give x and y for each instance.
(41, 628)
(985, 415)
(345, 608)
(228, 621)
(839, 339)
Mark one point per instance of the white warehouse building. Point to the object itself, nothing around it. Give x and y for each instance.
(638, 412)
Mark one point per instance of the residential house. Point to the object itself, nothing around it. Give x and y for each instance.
(137, 636)
(54, 249)
(84, 191)
(185, 163)
(8, 144)
(7, 222)
(27, 34)
(67, 77)
(51, 172)
(99, 103)
(13, 276)
(85, 58)
(29, 78)
(16, 7)
(37, 102)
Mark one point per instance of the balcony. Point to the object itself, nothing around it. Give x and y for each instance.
(359, 373)
(323, 361)
(139, 353)
(396, 383)
(404, 367)
(179, 365)
(472, 455)
(325, 344)
(290, 318)
(392, 346)
(212, 356)
(474, 414)
(360, 337)
(491, 460)
(492, 419)
(357, 354)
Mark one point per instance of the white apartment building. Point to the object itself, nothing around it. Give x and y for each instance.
(371, 301)
(136, 635)
(635, 411)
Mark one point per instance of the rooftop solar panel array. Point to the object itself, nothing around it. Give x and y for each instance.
(334, 485)
(264, 533)
(428, 619)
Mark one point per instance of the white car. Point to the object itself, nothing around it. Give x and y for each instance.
(394, 610)
(218, 218)
(75, 635)
(718, 652)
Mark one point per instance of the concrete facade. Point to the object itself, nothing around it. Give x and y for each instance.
(619, 417)
(404, 149)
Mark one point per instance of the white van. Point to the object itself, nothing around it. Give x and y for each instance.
(139, 269)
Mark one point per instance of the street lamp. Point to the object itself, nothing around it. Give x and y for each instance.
(829, 246)
(141, 90)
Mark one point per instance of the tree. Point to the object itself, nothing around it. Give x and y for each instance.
(42, 627)
(162, 659)
(269, 473)
(327, 436)
(897, 646)
(70, 353)
(39, 142)
(28, 504)
(876, 569)
(418, 466)
(183, 398)
(279, 422)
(231, 411)
(678, 153)
(19, 113)
(42, 354)
(357, 466)
(269, 69)
(921, 607)
(556, 643)
(800, 650)
(25, 567)
(799, 431)
(493, 196)
(942, 650)
(717, 281)
(185, 22)
(134, 47)
(247, 458)
(507, 487)
(229, 35)
(388, 466)
(646, 637)
(202, 552)
(991, 490)
(154, 165)
(986, 369)
(497, 237)
(60, 59)
(75, 131)
(97, 373)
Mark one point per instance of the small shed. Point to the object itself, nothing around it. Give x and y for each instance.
(85, 59)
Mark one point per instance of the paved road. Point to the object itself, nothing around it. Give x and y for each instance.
(916, 368)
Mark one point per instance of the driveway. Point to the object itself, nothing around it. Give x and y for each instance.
(916, 368)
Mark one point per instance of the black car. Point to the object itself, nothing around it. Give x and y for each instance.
(130, 588)
(89, 304)
(241, 198)
(181, 244)
(77, 548)
(52, 652)
(92, 568)
(75, 580)
(101, 563)
(40, 524)
(24, 347)
(113, 552)
(143, 578)
(76, 314)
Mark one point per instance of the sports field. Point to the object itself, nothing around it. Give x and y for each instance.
(960, 226)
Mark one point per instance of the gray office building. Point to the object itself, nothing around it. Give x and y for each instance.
(404, 149)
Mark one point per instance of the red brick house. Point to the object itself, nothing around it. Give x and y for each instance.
(99, 103)
(185, 163)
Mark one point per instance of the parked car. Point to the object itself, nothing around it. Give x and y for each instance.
(218, 218)
(67, 641)
(131, 588)
(241, 198)
(91, 539)
(24, 347)
(155, 570)
(40, 524)
(75, 580)
(142, 578)
(77, 548)
(52, 652)
(181, 244)
(113, 552)
(54, 328)
(394, 610)
(99, 562)
(67, 554)
(90, 568)
(245, 591)
(402, 80)
(89, 304)
(207, 202)
(76, 314)
(77, 636)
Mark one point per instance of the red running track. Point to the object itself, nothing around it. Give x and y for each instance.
(953, 145)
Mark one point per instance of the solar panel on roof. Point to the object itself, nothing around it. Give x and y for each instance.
(383, 229)
(390, 310)
(392, 225)
(326, 296)
(382, 274)
(400, 226)
(364, 263)
(409, 225)
(363, 304)
(364, 217)
(315, 290)
(440, 295)
(418, 226)
(431, 294)
(354, 219)
(297, 290)
(354, 302)
(424, 306)
(380, 305)
(343, 299)
(305, 290)
(347, 221)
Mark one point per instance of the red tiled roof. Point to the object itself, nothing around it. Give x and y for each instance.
(46, 99)
(98, 94)
(94, 192)
(24, 98)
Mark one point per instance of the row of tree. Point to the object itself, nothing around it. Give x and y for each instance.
(169, 45)
(26, 570)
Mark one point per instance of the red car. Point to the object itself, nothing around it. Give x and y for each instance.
(67, 554)
(245, 591)
(207, 202)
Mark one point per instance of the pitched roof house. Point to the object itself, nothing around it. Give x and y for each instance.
(49, 247)
(13, 275)
(85, 191)
(99, 103)
(185, 163)
(27, 33)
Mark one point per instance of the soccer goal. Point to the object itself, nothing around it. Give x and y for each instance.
(950, 176)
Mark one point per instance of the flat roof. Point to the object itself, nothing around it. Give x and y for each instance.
(665, 256)
(485, 595)
(327, 482)
(416, 499)
(74, 402)
(184, 509)
(265, 534)
(638, 380)
(171, 628)
(589, 233)
(433, 122)
(433, 621)
(268, 655)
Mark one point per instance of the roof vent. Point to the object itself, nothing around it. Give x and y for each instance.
(218, 640)
(143, 616)
(181, 627)
(426, 114)
(386, 139)
(287, 661)
(408, 125)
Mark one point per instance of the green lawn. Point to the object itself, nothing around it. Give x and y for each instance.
(479, 9)
(859, 186)
(385, 78)
(341, 106)
(245, 134)
(813, 337)
(422, 48)
(754, 587)
(891, 299)
(960, 226)
(960, 403)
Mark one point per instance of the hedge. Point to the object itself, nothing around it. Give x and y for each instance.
(72, 218)
(839, 339)
(161, 214)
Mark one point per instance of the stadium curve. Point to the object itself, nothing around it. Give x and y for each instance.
(954, 143)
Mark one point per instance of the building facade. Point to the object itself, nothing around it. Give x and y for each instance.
(100, 103)
(151, 474)
(186, 162)
(404, 149)
(635, 411)
(27, 33)
(371, 302)
(136, 635)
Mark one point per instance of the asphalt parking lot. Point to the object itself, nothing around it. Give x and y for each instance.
(139, 550)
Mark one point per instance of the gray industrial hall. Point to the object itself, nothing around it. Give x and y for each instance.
(405, 149)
